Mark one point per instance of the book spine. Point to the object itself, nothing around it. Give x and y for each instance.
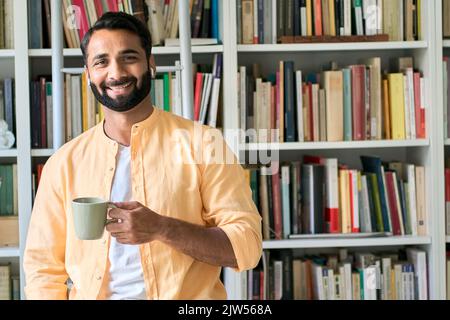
(285, 186)
(261, 31)
(289, 101)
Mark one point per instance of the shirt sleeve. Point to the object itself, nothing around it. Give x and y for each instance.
(227, 200)
(44, 254)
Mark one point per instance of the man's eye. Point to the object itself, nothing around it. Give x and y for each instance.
(130, 58)
(99, 62)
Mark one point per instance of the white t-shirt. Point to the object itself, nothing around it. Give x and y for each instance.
(126, 280)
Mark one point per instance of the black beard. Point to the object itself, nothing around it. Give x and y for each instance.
(128, 102)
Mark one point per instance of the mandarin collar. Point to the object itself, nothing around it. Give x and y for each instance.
(146, 123)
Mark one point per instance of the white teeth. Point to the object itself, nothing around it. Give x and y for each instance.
(121, 87)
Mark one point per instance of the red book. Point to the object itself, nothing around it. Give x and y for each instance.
(447, 185)
(39, 169)
(307, 159)
(358, 101)
(318, 17)
(43, 107)
(98, 8)
(276, 195)
(83, 26)
(392, 202)
(198, 95)
(113, 5)
(261, 285)
(420, 133)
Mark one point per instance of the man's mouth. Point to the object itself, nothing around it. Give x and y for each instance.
(121, 88)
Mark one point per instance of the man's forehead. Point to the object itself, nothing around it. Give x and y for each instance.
(113, 42)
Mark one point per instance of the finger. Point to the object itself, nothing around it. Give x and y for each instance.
(117, 214)
(118, 234)
(130, 205)
(115, 227)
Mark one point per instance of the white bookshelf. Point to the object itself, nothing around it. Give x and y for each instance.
(7, 53)
(428, 152)
(447, 239)
(9, 252)
(8, 153)
(73, 52)
(335, 145)
(447, 142)
(446, 43)
(345, 243)
(42, 152)
(351, 46)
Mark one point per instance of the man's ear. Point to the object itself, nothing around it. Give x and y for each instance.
(152, 65)
(87, 75)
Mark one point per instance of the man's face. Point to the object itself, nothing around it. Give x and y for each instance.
(118, 69)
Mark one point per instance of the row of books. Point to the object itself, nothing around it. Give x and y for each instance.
(7, 103)
(206, 84)
(356, 102)
(446, 91)
(446, 18)
(78, 16)
(320, 196)
(267, 21)
(164, 15)
(8, 190)
(6, 24)
(9, 284)
(160, 16)
(83, 111)
(283, 275)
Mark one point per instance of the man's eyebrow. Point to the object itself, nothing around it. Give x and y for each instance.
(127, 51)
(123, 52)
(100, 56)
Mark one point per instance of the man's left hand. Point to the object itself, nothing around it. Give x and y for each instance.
(136, 224)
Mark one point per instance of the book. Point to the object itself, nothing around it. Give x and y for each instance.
(5, 282)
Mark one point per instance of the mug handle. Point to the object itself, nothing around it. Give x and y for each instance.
(111, 205)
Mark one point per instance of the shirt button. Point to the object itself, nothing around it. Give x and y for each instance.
(111, 169)
(98, 277)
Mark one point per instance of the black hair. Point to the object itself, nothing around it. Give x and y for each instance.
(119, 21)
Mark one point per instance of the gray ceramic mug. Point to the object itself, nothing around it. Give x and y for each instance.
(90, 217)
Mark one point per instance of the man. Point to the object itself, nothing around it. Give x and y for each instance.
(177, 222)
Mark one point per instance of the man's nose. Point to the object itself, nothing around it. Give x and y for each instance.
(116, 71)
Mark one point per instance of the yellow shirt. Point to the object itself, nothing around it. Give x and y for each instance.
(199, 190)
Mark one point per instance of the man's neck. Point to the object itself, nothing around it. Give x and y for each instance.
(117, 125)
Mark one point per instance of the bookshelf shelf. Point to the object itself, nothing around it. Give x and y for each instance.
(9, 252)
(447, 239)
(335, 145)
(9, 153)
(340, 243)
(42, 152)
(311, 47)
(156, 51)
(446, 43)
(447, 142)
(7, 53)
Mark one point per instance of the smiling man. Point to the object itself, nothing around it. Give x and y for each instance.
(177, 222)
